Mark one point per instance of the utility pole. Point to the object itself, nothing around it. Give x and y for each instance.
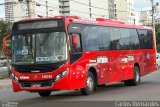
(46, 8)
(153, 20)
(29, 7)
(153, 23)
(155, 8)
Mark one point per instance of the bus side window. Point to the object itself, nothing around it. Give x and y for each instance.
(78, 47)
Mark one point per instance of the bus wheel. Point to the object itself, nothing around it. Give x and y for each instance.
(44, 93)
(90, 85)
(136, 80)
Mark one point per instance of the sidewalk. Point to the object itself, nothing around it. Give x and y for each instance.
(5, 83)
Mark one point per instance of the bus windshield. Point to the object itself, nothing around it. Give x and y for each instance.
(39, 48)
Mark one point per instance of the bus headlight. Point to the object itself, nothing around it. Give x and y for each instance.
(58, 77)
(64, 73)
(14, 77)
(61, 75)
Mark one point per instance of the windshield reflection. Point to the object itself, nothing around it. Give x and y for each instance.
(39, 48)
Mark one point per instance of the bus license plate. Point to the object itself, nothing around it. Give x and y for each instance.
(36, 85)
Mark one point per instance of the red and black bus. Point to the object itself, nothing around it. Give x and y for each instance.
(68, 53)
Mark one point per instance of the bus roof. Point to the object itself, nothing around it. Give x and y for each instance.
(98, 21)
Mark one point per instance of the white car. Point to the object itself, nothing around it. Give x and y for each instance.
(158, 59)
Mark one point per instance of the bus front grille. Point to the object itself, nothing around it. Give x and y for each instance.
(40, 83)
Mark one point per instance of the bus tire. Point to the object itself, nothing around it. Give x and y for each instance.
(136, 80)
(44, 93)
(90, 85)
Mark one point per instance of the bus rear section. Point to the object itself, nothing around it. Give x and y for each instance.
(67, 53)
(115, 51)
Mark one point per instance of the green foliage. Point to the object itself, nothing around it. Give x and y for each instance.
(5, 28)
(158, 37)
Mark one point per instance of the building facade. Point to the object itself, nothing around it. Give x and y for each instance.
(86, 9)
(124, 11)
(9, 15)
(111, 9)
(14, 11)
(145, 18)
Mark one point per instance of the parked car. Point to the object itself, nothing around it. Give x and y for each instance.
(158, 59)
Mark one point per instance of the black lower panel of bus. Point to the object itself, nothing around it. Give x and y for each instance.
(38, 67)
(36, 83)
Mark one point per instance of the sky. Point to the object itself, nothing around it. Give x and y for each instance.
(139, 5)
(144, 4)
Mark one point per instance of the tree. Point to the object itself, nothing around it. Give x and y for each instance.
(158, 41)
(158, 37)
(5, 28)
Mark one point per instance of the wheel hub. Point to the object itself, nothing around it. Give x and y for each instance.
(137, 77)
(90, 83)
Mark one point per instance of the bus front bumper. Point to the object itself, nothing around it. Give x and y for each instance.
(36, 82)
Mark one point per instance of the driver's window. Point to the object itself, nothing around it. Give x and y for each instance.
(78, 47)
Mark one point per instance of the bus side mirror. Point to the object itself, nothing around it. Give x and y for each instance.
(75, 40)
(6, 46)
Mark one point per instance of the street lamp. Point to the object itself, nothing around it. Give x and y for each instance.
(152, 2)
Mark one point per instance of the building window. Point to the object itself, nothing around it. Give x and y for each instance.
(115, 15)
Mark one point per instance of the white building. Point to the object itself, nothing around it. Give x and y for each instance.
(14, 11)
(111, 9)
(40, 8)
(9, 16)
(137, 18)
(145, 18)
(84, 8)
(20, 11)
(124, 11)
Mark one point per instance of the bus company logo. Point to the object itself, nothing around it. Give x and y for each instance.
(47, 76)
(102, 59)
(130, 58)
(92, 61)
(24, 77)
(39, 59)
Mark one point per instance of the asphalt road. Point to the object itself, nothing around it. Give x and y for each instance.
(148, 90)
